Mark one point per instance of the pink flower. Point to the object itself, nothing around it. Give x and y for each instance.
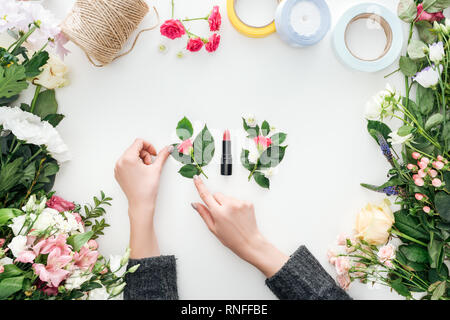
(436, 182)
(85, 259)
(194, 44)
(47, 245)
(440, 158)
(26, 256)
(342, 239)
(172, 29)
(185, 147)
(425, 160)
(331, 255)
(438, 165)
(342, 265)
(411, 166)
(2, 268)
(2, 242)
(388, 263)
(105, 270)
(419, 182)
(92, 244)
(214, 19)
(60, 204)
(421, 173)
(213, 43)
(59, 41)
(78, 217)
(433, 173)
(343, 281)
(53, 273)
(415, 155)
(422, 165)
(262, 142)
(419, 196)
(426, 209)
(359, 265)
(423, 15)
(386, 252)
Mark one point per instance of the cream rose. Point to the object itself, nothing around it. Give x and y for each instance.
(374, 222)
(52, 75)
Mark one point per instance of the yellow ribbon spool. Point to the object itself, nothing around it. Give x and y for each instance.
(245, 29)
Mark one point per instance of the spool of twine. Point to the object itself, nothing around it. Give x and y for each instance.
(102, 27)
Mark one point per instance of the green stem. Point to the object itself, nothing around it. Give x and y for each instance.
(173, 8)
(36, 94)
(401, 234)
(193, 19)
(33, 156)
(19, 42)
(390, 74)
(252, 172)
(197, 165)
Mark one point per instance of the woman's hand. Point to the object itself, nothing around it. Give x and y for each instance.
(139, 176)
(233, 222)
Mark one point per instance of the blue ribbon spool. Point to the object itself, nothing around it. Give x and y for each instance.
(386, 19)
(286, 31)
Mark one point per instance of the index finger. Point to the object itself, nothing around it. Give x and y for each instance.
(204, 193)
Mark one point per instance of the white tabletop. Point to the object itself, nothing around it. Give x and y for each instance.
(305, 92)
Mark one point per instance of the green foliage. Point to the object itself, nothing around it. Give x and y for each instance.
(10, 286)
(407, 66)
(184, 129)
(261, 180)
(416, 49)
(12, 80)
(78, 240)
(407, 10)
(34, 65)
(203, 147)
(46, 104)
(93, 212)
(375, 127)
(435, 5)
(189, 171)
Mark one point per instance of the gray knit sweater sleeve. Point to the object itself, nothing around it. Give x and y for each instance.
(155, 279)
(303, 278)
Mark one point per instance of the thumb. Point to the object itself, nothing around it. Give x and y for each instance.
(162, 156)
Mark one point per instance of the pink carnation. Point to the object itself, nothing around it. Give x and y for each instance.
(194, 44)
(331, 255)
(342, 265)
(172, 29)
(60, 204)
(213, 43)
(215, 19)
(343, 281)
(386, 252)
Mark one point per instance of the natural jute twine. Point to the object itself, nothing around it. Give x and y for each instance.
(102, 27)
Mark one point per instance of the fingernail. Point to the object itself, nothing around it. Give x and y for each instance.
(196, 177)
(170, 149)
(194, 206)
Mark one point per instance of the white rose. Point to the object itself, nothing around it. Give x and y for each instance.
(52, 75)
(373, 109)
(428, 77)
(395, 138)
(76, 279)
(98, 294)
(45, 219)
(115, 265)
(17, 245)
(436, 52)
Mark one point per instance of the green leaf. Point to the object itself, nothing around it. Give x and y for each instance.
(50, 169)
(407, 66)
(10, 175)
(414, 253)
(407, 10)
(272, 156)
(189, 171)
(433, 121)
(436, 253)
(181, 157)
(265, 128)
(439, 291)
(12, 80)
(425, 99)
(442, 203)
(46, 104)
(405, 130)
(204, 147)
(278, 138)
(33, 66)
(414, 266)
(244, 160)
(425, 34)
(54, 119)
(7, 214)
(184, 129)
(416, 49)
(377, 126)
(78, 240)
(11, 270)
(253, 132)
(400, 288)
(410, 225)
(261, 179)
(88, 286)
(28, 174)
(10, 286)
(432, 6)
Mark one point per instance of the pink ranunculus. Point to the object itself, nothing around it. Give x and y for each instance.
(436, 182)
(92, 244)
(423, 15)
(262, 142)
(438, 165)
(194, 44)
(53, 273)
(342, 265)
(46, 245)
(172, 29)
(2, 242)
(343, 281)
(215, 19)
(60, 204)
(331, 255)
(85, 259)
(213, 43)
(185, 146)
(26, 256)
(386, 252)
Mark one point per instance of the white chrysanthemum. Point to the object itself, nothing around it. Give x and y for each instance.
(436, 52)
(76, 279)
(395, 138)
(428, 77)
(30, 128)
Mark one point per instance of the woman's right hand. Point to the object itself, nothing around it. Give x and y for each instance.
(233, 222)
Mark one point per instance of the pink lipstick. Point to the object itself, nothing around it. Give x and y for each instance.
(226, 166)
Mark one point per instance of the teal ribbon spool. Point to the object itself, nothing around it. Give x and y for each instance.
(392, 28)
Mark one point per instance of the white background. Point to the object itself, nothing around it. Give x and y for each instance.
(305, 92)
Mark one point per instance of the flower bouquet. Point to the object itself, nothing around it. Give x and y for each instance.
(408, 250)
